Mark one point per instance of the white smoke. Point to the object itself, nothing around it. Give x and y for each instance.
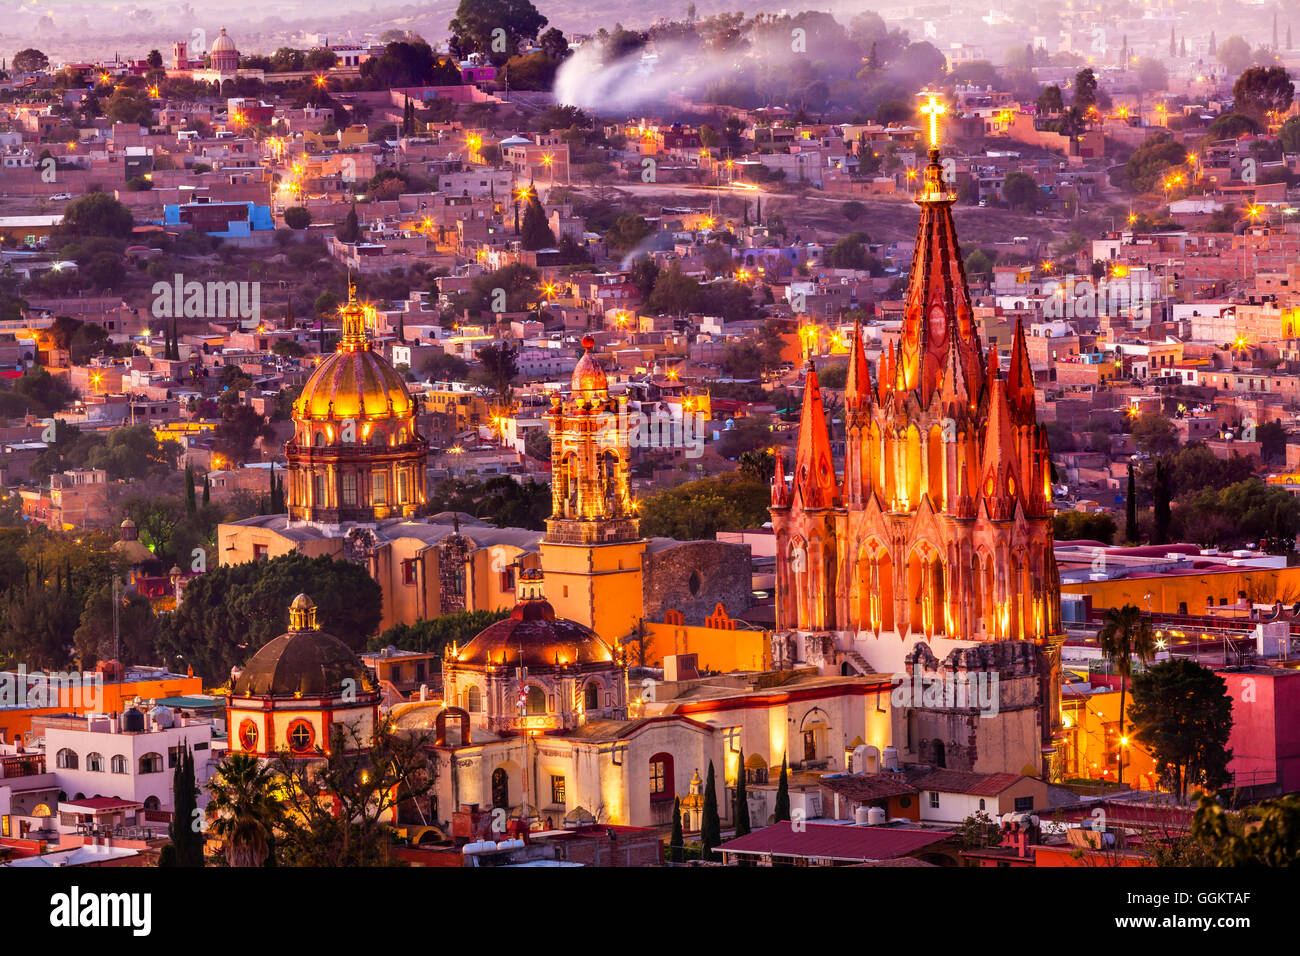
(638, 78)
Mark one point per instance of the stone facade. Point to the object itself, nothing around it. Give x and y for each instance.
(694, 577)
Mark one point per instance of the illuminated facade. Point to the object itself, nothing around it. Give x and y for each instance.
(356, 454)
(939, 530)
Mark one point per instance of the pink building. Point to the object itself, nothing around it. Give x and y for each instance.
(1265, 739)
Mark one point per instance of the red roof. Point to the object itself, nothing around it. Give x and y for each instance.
(964, 781)
(830, 841)
(100, 803)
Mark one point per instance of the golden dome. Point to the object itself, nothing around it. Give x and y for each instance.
(588, 376)
(354, 385)
(354, 382)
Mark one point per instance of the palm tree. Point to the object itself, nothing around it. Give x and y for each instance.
(243, 810)
(1124, 635)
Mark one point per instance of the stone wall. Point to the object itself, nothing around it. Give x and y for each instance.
(694, 577)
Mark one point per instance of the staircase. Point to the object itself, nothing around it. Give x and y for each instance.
(858, 662)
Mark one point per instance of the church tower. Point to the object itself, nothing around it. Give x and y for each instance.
(592, 551)
(939, 531)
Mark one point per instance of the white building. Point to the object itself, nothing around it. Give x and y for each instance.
(130, 755)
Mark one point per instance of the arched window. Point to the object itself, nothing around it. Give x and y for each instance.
(693, 583)
(474, 699)
(536, 700)
(151, 763)
(500, 789)
(117, 764)
(95, 763)
(66, 759)
(662, 783)
(591, 696)
(248, 735)
(152, 803)
(301, 737)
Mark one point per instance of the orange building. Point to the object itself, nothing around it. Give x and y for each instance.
(110, 690)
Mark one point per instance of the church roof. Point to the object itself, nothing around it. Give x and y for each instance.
(302, 661)
(815, 484)
(534, 636)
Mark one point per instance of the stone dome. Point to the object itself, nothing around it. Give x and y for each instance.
(304, 661)
(588, 376)
(223, 43)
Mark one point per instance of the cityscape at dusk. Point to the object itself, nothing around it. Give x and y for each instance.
(483, 434)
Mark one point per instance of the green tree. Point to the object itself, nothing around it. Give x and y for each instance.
(1125, 634)
(740, 815)
(1234, 53)
(350, 229)
(1085, 89)
(1267, 834)
(1263, 91)
(1020, 191)
(339, 806)
(97, 214)
(710, 824)
(1155, 434)
(1161, 496)
(433, 634)
(297, 217)
(781, 810)
(1184, 714)
(675, 293)
(137, 628)
(229, 612)
(700, 509)
(30, 60)
(243, 810)
(676, 842)
(1232, 125)
(1130, 508)
(473, 28)
(1050, 100)
(187, 838)
(536, 232)
(1076, 525)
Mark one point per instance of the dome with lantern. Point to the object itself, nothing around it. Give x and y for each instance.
(534, 670)
(357, 454)
(588, 377)
(295, 691)
(225, 56)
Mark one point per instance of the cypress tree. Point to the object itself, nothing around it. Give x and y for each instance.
(1213, 46)
(1161, 495)
(191, 501)
(710, 825)
(741, 813)
(536, 233)
(207, 491)
(782, 809)
(188, 841)
(676, 842)
(1182, 47)
(1131, 509)
(1173, 44)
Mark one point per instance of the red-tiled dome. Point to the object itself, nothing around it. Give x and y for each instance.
(533, 632)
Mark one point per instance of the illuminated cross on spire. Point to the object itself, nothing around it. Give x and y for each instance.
(934, 109)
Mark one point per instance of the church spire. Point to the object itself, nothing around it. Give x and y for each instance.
(815, 485)
(857, 384)
(1020, 379)
(780, 490)
(938, 299)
